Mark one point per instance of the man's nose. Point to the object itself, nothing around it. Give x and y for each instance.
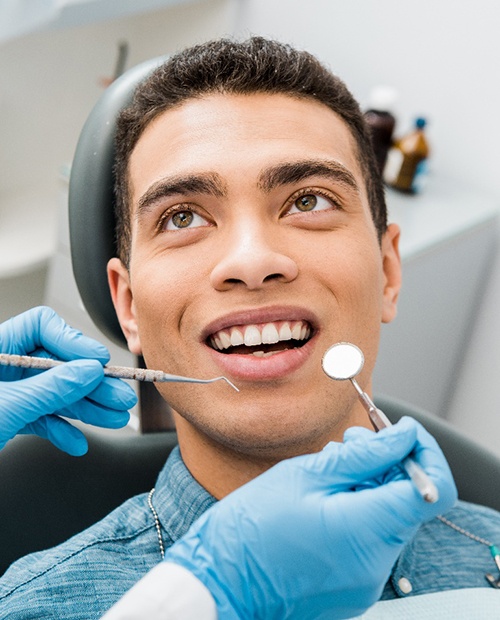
(252, 258)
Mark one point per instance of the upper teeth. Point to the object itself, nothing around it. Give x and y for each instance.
(253, 335)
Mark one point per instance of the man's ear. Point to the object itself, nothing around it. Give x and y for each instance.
(121, 293)
(391, 264)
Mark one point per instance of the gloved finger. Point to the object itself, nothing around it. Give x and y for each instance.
(357, 432)
(427, 453)
(365, 456)
(54, 389)
(42, 328)
(59, 432)
(68, 343)
(96, 415)
(395, 473)
(429, 456)
(426, 449)
(400, 501)
(111, 393)
(114, 393)
(397, 509)
(418, 454)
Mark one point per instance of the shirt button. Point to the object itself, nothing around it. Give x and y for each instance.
(405, 585)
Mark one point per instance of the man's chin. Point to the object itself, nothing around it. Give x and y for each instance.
(256, 440)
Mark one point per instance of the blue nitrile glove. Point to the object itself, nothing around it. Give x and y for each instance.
(310, 538)
(32, 401)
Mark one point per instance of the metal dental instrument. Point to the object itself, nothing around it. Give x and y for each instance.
(344, 361)
(121, 372)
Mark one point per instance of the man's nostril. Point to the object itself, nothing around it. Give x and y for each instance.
(273, 276)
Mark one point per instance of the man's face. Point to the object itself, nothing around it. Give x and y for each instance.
(253, 251)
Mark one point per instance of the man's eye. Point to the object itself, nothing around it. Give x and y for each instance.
(310, 202)
(183, 219)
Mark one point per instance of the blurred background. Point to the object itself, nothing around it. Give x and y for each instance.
(441, 59)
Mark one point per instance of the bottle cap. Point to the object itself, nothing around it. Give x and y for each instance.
(420, 122)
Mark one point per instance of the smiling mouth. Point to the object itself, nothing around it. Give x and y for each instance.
(261, 339)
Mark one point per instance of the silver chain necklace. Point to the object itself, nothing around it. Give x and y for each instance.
(494, 550)
(157, 522)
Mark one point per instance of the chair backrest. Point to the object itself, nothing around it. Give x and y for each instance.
(47, 495)
(91, 200)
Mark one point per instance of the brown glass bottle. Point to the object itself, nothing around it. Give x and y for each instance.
(381, 122)
(407, 160)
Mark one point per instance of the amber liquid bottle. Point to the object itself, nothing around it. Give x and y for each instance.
(406, 165)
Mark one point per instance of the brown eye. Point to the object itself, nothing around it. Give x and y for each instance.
(310, 203)
(183, 219)
(307, 202)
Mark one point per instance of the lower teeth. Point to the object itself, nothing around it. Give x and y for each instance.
(268, 354)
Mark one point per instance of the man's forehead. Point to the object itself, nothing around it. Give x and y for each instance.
(249, 110)
(323, 143)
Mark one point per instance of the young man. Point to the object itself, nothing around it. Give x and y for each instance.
(252, 236)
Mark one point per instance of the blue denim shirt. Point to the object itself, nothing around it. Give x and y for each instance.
(85, 576)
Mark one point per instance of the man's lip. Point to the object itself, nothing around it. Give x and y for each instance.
(260, 315)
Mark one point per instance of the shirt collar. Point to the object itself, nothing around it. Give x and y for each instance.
(179, 500)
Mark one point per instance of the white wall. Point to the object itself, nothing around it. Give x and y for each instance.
(49, 82)
(443, 57)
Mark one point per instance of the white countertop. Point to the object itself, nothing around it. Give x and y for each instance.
(444, 210)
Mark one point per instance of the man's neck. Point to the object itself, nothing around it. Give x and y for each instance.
(221, 470)
(218, 469)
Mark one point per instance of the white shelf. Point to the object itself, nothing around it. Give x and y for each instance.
(21, 19)
(443, 210)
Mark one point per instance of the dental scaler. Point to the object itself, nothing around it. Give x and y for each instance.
(120, 372)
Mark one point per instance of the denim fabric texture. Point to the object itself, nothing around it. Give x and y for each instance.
(85, 576)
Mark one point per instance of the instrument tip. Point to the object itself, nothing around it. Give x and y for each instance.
(230, 383)
(431, 495)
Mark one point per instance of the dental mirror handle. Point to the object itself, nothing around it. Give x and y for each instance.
(420, 479)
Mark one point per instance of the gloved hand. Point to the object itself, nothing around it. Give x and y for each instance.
(32, 401)
(316, 536)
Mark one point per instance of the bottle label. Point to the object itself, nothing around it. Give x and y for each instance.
(393, 165)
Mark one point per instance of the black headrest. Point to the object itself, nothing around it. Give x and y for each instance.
(91, 200)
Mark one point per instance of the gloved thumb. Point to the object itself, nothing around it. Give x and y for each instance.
(365, 455)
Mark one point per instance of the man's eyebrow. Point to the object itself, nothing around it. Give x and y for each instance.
(204, 183)
(294, 172)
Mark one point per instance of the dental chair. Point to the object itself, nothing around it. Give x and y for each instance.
(46, 495)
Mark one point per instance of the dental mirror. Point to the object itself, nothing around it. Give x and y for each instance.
(343, 361)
